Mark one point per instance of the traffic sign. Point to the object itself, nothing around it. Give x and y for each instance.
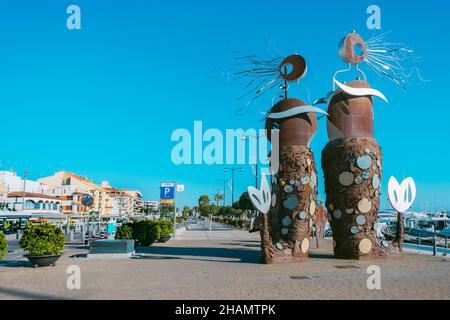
(167, 192)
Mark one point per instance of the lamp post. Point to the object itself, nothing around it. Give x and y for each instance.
(25, 175)
(257, 137)
(232, 169)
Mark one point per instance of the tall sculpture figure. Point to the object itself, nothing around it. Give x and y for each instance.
(352, 160)
(286, 224)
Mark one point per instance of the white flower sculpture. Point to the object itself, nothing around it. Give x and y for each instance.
(261, 199)
(402, 195)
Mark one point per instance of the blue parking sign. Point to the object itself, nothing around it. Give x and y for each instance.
(167, 192)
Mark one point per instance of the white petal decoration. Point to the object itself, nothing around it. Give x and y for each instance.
(305, 245)
(360, 92)
(401, 196)
(295, 111)
(261, 198)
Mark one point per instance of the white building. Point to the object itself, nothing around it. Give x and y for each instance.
(11, 183)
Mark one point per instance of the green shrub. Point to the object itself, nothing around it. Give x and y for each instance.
(146, 232)
(42, 239)
(166, 228)
(3, 245)
(124, 232)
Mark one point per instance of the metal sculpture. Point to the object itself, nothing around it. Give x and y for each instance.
(286, 226)
(401, 197)
(352, 159)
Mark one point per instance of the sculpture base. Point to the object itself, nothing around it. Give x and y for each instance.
(352, 170)
(286, 229)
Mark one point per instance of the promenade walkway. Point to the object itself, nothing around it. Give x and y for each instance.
(201, 231)
(223, 264)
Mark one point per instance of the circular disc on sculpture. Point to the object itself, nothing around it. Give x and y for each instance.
(361, 220)
(305, 245)
(376, 181)
(292, 181)
(350, 210)
(288, 188)
(291, 202)
(279, 246)
(354, 230)
(364, 205)
(284, 231)
(331, 207)
(365, 245)
(312, 208)
(293, 68)
(286, 222)
(364, 162)
(367, 150)
(313, 182)
(365, 175)
(337, 214)
(353, 48)
(274, 200)
(305, 179)
(359, 180)
(346, 178)
(303, 215)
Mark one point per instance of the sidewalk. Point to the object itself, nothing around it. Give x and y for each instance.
(200, 231)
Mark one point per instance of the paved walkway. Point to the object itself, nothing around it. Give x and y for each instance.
(201, 231)
(223, 269)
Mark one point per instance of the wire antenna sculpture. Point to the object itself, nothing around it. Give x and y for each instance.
(386, 59)
(266, 73)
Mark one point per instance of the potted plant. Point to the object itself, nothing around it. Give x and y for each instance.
(3, 245)
(166, 231)
(44, 243)
(124, 232)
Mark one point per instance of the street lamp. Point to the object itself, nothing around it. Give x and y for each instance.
(25, 175)
(257, 137)
(232, 169)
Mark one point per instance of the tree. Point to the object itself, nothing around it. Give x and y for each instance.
(203, 200)
(167, 210)
(245, 202)
(187, 211)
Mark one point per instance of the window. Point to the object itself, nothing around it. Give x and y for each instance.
(29, 204)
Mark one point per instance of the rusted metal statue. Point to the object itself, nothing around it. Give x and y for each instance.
(352, 161)
(286, 222)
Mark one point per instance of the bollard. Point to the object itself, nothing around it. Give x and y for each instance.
(434, 244)
(418, 239)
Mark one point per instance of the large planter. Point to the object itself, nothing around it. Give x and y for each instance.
(165, 238)
(43, 260)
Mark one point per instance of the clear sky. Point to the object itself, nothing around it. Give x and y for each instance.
(103, 101)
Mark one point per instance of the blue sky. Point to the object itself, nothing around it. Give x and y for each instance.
(103, 101)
